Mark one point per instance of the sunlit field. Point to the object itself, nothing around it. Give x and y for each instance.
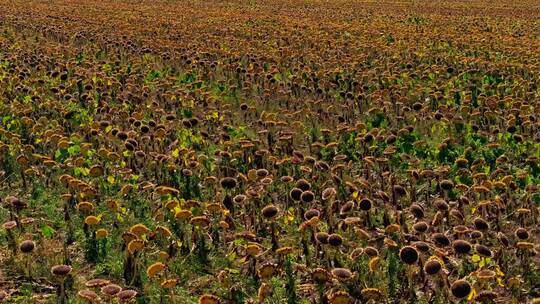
(280, 151)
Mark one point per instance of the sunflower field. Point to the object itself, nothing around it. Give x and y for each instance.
(277, 151)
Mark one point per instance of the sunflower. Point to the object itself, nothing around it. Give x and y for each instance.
(139, 230)
(340, 297)
(169, 283)
(267, 270)
(374, 264)
(209, 299)
(154, 269)
(371, 293)
(91, 220)
(182, 214)
(135, 246)
(101, 233)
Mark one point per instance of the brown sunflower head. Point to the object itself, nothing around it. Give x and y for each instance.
(27, 246)
(482, 250)
(61, 270)
(461, 246)
(88, 296)
(342, 274)
(111, 290)
(432, 267)
(521, 233)
(270, 211)
(365, 204)
(322, 237)
(408, 255)
(335, 240)
(126, 295)
(228, 182)
(460, 289)
(307, 196)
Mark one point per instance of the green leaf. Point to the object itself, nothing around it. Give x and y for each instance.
(75, 149)
(47, 231)
(79, 58)
(81, 171)
(231, 256)
(231, 270)
(482, 263)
